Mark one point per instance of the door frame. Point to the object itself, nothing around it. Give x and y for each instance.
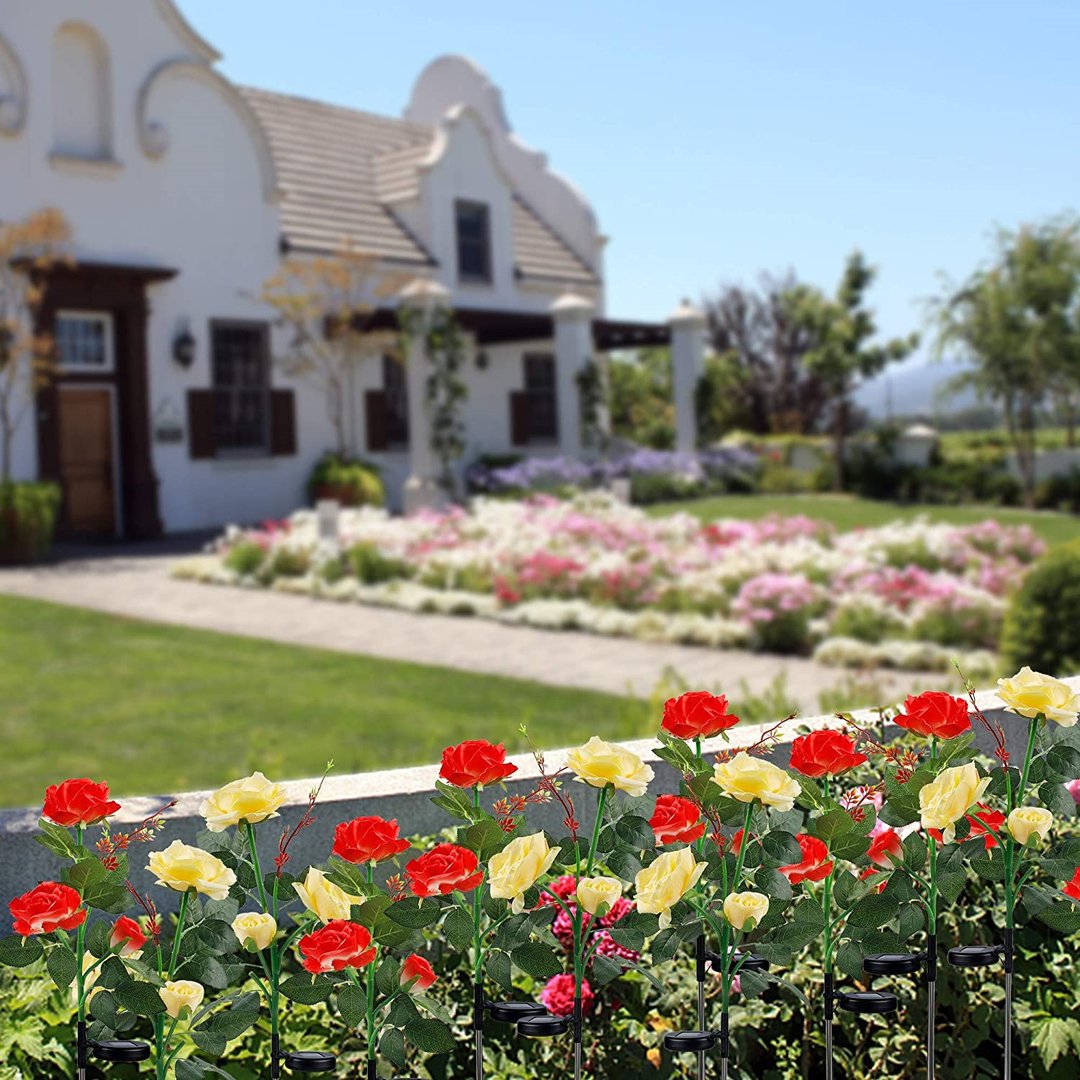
(114, 441)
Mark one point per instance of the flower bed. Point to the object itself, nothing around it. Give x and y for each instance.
(907, 595)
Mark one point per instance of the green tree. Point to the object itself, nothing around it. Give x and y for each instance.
(843, 353)
(641, 398)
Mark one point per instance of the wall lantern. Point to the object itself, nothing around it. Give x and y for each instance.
(183, 349)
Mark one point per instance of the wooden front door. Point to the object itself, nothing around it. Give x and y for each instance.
(87, 461)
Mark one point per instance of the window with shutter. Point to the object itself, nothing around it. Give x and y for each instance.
(240, 368)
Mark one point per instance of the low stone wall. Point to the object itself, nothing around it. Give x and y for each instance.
(401, 794)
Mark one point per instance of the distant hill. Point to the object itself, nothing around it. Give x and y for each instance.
(914, 388)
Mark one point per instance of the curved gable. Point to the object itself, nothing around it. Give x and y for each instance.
(12, 90)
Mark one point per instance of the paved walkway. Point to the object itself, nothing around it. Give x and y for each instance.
(135, 582)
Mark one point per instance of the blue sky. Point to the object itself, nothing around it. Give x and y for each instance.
(717, 139)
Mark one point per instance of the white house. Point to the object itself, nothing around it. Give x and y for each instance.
(184, 191)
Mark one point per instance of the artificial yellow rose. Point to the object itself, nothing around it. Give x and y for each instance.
(518, 867)
(1030, 693)
(323, 898)
(746, 907)
(254, 799)
(664, 882)
(1027, 821)
(182, 867)
(947, 798)
(746, 778)
(255, 926)
(182, 994)
(597, 895)
(601, 764)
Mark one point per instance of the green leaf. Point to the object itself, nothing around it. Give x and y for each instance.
(56, 839)
(497, 966)
(431, 1036)
(458, 928)
(1056, 798)
(951, 885)
(871, 911)
(216, 936)
(1061, 916)
(486, 838)
(140, 998)
(97, 939)
(537, 960)
(851, 846)
(604, 970)
(15, 952)
(833, 824)
(62, 968)
(232, 1022)
(207, 970)
(306, 989)
(209, 1042)
(1054, 1037)
(392, 1047)
(636, 833)
(388, 977)
(752, 983)
(413, 914)
(1064, 761)
(103, 1008)
(352, 1004)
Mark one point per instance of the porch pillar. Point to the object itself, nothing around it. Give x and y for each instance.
(422, 488)
(573, 316)
(687, 366)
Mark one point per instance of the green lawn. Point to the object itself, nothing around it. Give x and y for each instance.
(155, 709)
(847, 512)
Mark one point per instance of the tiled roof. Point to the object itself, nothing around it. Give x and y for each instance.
(341, 170)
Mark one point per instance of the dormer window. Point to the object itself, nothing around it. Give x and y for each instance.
(473, 221)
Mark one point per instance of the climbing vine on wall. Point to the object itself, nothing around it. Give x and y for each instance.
(592, 386)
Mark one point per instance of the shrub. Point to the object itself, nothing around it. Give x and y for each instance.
(352, 483)
(1042, 623)
(779, 479)
(27, 520)
(373, 566)
(289, 562)
(245, 558)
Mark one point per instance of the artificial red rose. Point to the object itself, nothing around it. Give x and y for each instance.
(416, 967)
(336, 946)
(736, 842)
(78, 802)
(558, 995)
(446, 868)
(985, 822)
(824, 753)
(368, 840)
(697, 715)
(935, 713)
(47, 907)
(128, 935)
(885, 844)
(676, 821)
(475, 762)
(816, 864)
(1072, 888)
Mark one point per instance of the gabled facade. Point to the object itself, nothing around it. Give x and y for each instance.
(183, 192)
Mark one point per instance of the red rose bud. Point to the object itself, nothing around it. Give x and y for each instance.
(935, 713)
(48, 907)
(445, 869)
(985, 822)
(883, 846)
(78, 802)
(676, 821)
(475, 762)
(418, 969)
(736, 842)
(128, 934)
(338, 945)
(368, 840)
(824, 753)
(1072, 888)
(816, 864)
(697, 715)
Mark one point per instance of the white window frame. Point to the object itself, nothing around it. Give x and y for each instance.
(103, 319)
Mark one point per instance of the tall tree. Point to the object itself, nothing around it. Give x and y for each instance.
(843, 353)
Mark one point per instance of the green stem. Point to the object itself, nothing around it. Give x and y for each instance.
(256, 867)
(600, 801)
(372, 1033)
(931, 910)
(1013, 800)
(826, 911)
(741, 858)
(1033, 734)
(179, 933)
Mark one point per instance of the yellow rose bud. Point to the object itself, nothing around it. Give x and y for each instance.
(181, 867)
(1027, 821)
(518, 867)
(254, 926)
(1029, 693)
(947, 798)
(746, 907)
(179, 995)
(747, 778)
(602, 764)
(254, 799)
(664, 882)
(89, 978)
(597, 895)
(323, 898)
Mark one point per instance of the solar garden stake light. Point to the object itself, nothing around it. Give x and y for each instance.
(982, 956)
(861, 1002)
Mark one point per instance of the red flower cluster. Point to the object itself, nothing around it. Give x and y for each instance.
(697, 715)
(935, 713)
(338, 945)
(368, 840)
(824, 753)
(47, 907)
(815, 865)
(676, 821)
(558, 995)
(475, 762)
(78, 802)
(446, 868)
(984, 822)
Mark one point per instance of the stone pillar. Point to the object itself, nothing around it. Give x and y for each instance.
(573, 317)
(687, 366)
(422, 488)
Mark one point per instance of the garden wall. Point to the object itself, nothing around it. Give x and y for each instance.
(401, 794)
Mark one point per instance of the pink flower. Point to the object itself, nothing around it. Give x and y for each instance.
(558, 995)
(1073, 788)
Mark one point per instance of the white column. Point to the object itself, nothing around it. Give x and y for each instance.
(422, 489)
(573, 349)
(687, 366)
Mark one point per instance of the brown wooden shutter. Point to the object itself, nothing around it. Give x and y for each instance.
(201, 442)
(375, 420)
(282, 423)
(519, 418)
